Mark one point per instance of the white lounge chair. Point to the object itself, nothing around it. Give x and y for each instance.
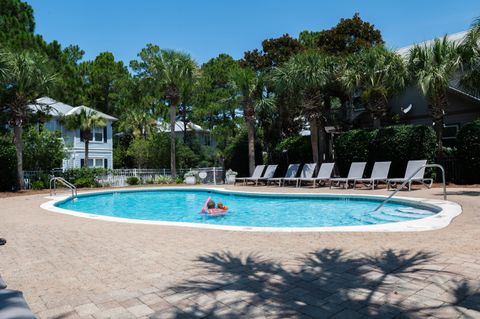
(14, 305)
(257, 173)
(292, 171)
(412, 166)
(307, 172)
(379, 174)
(355, 172)
(269, 172)
(324, 175)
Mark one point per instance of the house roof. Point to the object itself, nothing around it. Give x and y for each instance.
(78, 109)
(57, 109)
(165, 127)
(456, 37)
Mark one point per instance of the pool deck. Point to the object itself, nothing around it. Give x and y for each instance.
(72, 267)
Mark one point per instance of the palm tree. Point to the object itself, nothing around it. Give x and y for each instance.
(378, 74)
(85, 120)
(307, 76)
(246, 85)
(24, 77)
(172, 73)
(470, 50)
(432, 68)
(141, 123)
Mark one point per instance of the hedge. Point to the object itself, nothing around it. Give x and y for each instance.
(84, 177)
(468, 152)
(8, 164)
(293, 149)
(398, 144)
(236, 154)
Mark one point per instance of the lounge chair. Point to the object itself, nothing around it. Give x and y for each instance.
(13, 305)
(412, 166)
(257, 173)
(292, 171)
(379, 174)
(269, 172)
(355, 172)
(307, 172)
(324, 175)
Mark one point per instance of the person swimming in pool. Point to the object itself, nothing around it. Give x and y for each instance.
(219, 210)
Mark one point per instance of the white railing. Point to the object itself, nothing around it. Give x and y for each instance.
(118, 177)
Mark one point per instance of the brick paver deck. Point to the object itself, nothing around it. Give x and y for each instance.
(71, 267)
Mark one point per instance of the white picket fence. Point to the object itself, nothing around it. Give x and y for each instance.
(118, 177)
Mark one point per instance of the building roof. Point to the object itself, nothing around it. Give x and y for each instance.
(78, 109)
(165, 127)
(456, 37)
(57, 109)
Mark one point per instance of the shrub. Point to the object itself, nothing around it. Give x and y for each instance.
(353, 146)
(150, 181)
(132, 180)
(468, 152)
(38, 185)
(398, 144)
(8, 164)
(86, 182)
(236, 154)
(293, 149)
(164, 180)
(402, 143)
(85, 176)
(43, 150)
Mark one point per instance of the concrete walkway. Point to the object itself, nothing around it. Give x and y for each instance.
(71, 267)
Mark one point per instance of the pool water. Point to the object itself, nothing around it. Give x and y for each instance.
(259, 210)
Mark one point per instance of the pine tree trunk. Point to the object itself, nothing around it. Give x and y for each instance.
(173, 164)
(314, 139)
(251, 144)
(18, 131)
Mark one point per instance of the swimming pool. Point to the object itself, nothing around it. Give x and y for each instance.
(181, 206)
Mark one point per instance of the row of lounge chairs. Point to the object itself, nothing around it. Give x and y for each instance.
(262, 175)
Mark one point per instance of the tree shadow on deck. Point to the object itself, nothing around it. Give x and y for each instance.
(322, 284)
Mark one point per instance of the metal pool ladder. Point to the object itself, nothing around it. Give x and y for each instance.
(61, 180)
(410, 178)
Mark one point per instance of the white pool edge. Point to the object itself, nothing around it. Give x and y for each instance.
(448, 211)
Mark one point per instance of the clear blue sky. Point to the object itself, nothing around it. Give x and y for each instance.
(209, 27)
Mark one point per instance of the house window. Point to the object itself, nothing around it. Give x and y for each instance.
(450, 132)
(97, 134)
(95, 162)
(358, 104)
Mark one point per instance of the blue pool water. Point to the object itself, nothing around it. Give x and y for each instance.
(184, 205)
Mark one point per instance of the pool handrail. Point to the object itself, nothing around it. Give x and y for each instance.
(54, 180)
(411, 177)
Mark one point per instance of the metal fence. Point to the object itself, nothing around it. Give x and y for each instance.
(453, 170)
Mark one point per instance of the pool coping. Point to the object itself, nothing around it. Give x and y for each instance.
(448, 210)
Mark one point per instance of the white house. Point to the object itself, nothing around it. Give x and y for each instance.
(203, 135)
(101, 145)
